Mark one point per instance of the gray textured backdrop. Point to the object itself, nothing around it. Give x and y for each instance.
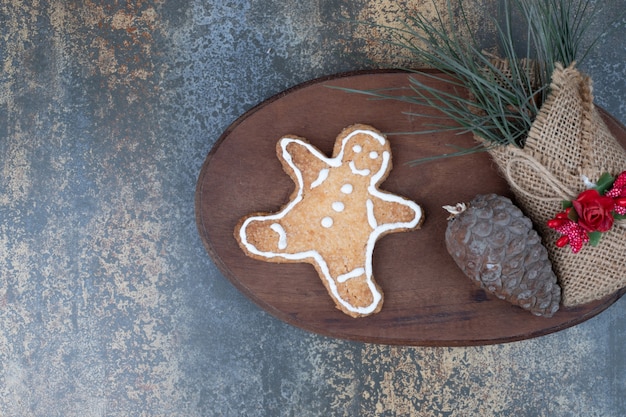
(109, 304)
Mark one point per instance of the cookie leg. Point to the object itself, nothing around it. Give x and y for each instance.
(355, 293)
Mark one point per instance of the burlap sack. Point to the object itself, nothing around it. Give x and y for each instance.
(567, 143)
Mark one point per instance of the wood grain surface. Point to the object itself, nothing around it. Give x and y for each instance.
(428, 300)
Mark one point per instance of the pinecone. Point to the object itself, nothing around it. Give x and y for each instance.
(495, 246)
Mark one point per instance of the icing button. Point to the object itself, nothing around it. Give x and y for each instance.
(327, 222)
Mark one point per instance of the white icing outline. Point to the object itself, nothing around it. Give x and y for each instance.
(282, 236)
(321, 177)
(377, 232)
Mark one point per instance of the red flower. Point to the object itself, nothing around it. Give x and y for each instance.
(594, 211)
(591, 213)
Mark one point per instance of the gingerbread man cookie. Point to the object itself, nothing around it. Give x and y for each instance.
(335, 215)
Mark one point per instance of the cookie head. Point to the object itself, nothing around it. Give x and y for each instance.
(365, 153)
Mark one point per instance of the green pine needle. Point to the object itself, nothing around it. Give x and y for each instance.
(496, 102)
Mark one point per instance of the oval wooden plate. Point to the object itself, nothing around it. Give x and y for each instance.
(428, 300)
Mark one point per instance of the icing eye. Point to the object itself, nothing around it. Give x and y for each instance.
(346, 188)
(357, 148)
(327, 222)
(373, 155)
(338, 206)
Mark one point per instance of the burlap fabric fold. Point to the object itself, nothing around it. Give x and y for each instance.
(568, 143)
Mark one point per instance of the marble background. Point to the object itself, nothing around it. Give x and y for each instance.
(109, 304)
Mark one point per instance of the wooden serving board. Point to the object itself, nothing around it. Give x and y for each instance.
(428, 300)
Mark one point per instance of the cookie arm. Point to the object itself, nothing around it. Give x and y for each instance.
(301, 159)
(386, 209)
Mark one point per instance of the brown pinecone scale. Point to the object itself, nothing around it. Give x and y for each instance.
(497, 248)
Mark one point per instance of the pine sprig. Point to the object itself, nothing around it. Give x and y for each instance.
(503, 94)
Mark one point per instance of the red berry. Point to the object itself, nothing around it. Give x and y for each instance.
(563, 241)
(555, 223)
